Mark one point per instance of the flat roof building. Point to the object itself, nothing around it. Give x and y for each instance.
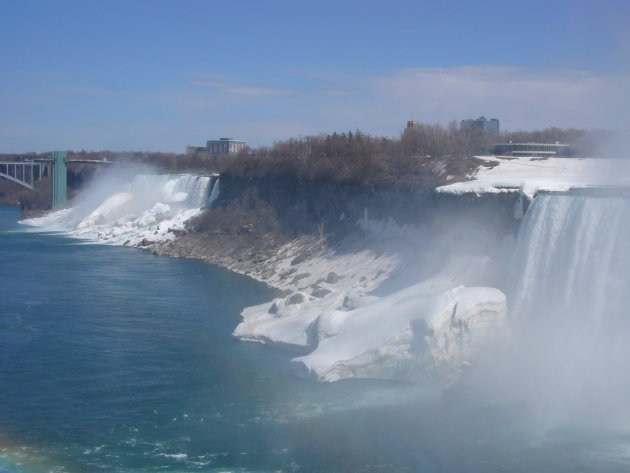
(224, 146)
(533, 149)
(489, 126)
(195, 149)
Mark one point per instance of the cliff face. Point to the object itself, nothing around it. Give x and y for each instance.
(301, 207)
(254, 218)
(378, 283)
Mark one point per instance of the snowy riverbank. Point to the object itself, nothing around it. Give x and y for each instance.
(387, 301)
(365, 309)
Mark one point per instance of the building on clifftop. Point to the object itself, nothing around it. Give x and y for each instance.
(533, 149)
(224, 146)
(489, 126)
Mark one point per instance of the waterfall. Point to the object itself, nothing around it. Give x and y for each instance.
(571, 254)
(568, 309)
(214, 194)
(144, 209)
(195, 188)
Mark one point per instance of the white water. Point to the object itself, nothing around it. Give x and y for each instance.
(572, 255)
(144, 208)
(569, 313)
(568, 306)
(567, 309)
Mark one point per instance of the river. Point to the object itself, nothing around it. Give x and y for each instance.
(116, 360)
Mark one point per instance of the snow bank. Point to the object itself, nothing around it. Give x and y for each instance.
(529, 175)
(420, 331)
(318, 280)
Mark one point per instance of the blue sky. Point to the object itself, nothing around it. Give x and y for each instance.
(158, 75)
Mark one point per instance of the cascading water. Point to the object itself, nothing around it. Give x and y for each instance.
(146, 209)
(214, 194)
(571, 255)
(568, 309)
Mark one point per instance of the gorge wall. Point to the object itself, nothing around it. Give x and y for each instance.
(253, 217)
(376, 282)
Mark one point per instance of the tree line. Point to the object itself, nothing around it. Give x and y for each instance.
(423, 156)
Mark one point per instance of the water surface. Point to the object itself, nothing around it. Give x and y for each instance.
(116, 360)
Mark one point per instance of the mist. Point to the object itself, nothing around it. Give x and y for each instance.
(132, 206)
(563, 361)
(555, 364)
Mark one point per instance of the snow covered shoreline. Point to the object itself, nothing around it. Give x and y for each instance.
(425, 329)
(417, 329)
(329, 297)
(375, 305)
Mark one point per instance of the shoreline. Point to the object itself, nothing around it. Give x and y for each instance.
(333, 298)
(336, 294)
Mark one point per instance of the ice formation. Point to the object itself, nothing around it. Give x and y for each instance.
(431, 329)
(149, 208)
(431, 326)
(427, 330)
(423, 332)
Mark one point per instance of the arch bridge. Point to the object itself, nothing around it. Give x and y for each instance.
(26, 173)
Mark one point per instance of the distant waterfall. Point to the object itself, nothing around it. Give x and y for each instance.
(195, 187)
(137, 211)
(214, 193)
(572, 257)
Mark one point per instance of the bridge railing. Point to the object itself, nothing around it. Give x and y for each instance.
(24, 173)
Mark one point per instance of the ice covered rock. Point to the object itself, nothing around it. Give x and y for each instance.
(112, 208)
(279, 323)
(421, 332)
(296, 298)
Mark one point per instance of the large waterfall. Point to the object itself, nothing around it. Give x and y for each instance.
(139, 210)
(572, 257)
(569, 307)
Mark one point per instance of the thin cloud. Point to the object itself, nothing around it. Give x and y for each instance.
(520, 97)
(240, 89)
(337, 92)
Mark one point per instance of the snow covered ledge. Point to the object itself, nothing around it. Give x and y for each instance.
(420, 333)
(426, 331)
(528, 174)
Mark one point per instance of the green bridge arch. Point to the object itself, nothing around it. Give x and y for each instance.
(25, 173)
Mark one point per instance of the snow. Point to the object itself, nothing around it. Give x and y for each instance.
(362, 309)
(426, 329)
(529, 175)
(347, 277)
(381, 336)
(150, 208)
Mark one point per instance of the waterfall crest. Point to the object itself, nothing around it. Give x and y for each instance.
(568, 311)
(571, 254)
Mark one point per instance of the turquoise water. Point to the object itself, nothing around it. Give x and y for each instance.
(116, 360)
